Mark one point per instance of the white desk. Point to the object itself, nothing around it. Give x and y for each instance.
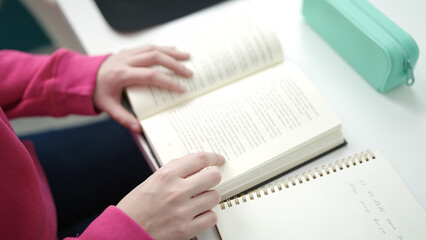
(394, 123)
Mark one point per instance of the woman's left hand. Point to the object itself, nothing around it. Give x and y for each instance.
(132, 67)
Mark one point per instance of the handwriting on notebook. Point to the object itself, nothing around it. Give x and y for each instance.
(371, 205)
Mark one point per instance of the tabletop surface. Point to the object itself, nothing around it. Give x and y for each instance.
(394, 123)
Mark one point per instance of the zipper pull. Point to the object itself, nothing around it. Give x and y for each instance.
(409, 80)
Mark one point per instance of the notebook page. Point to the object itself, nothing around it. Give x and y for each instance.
(366, 201)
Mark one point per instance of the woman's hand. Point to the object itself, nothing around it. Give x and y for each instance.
(176, 201)
(132, 67)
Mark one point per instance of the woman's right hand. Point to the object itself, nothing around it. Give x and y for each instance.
(176, 201)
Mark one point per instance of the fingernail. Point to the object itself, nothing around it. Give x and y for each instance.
(188, 72)
(185, 54)
(182, 88)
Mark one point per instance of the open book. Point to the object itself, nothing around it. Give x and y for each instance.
(360, 197)
(243, 102)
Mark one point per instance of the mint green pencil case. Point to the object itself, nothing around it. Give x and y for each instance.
(383, 53)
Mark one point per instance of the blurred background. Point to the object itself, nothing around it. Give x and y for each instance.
(21, 28)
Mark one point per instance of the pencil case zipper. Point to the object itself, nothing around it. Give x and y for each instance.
(407, 65)
(378, 49)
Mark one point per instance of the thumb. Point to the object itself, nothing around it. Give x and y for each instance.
(123, 116)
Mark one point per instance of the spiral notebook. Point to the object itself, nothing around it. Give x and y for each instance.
(359, 197)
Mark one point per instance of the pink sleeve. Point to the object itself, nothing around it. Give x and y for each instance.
(55, 85)
(114, 224)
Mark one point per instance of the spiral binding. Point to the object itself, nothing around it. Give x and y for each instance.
(299, 179)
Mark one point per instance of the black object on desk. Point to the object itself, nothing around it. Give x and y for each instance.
(132, 15)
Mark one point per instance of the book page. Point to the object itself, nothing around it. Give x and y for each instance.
(365, 201)
(219, 55)
(249, 122)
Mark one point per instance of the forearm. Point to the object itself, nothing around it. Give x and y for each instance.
(56, 85)
(113, 224)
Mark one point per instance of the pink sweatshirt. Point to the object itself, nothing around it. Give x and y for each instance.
(55, 85)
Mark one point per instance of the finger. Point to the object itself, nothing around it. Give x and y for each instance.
(204, 180)
(193, 163)
(203, 221)
(121, 115)
(149, 76)
(147, 48)
(159, 58)
(204, 202)
(172, 51)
